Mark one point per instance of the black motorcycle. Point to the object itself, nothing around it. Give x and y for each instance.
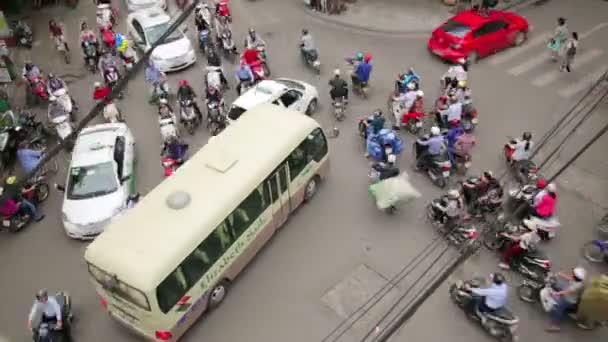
(533, 264)
(8, 145)
(33, 131)
(23, 34)
(437, 167)
(501, 324)
(456, 233)
(47, 331)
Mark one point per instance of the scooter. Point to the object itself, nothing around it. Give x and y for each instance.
(110, 76)
(66, 101)
(23, 34)
(339, 105)
(228, 45)
(413, 121)
(160, 91)
(14, 223)
(91, 56)
(544, 292)
(63, 127)
(501, 324)
(311, 59)
(525, 171)
(216, 120)
(188, 115)
(111, 112)
(38, 87)
(204, 40)
(546, 227)
(168, 128)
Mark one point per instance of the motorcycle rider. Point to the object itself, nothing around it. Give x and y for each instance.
(213, 95)
(456, 72)
(363, 70)
(545, 207)
(521, 244)
(489, 299)
(569, 297)
(253, 40)
(487, 183)
(434, 146)
(100, 92)
(213, 58)
(56, 109)
(185, 92)
(210, 70)
(86, 34)
(49, 307)
(164, 109)
(57, 34)
(106, 62)
(55, 84)
(307, 44)
(175, 149)
(222, 11)
(199, 17)
(155, 78)
(454, 132)
(339, 88)
(522, 148)
(12, 206)
(30, 71)
(541, 184)
(28, 157)
(465, 141)
(454, 111)
(453, 210)
(244, 76)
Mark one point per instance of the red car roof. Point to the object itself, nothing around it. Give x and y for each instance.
(474, 19)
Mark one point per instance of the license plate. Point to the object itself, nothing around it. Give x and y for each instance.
(474, 121)
(446, 173)
(419, 124)
(6, 223)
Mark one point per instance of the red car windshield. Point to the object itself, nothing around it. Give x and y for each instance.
(456, 28)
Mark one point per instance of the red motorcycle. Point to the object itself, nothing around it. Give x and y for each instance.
(109, 37)
(170, 165)
(38, 88)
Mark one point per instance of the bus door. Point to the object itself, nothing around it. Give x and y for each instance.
(278, 184)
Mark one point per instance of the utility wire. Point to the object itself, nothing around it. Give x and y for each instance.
(98, 108)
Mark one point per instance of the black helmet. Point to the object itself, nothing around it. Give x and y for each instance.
(498, 278)
(42, 294)
(304, 31)
(251, 30)
(527, 136)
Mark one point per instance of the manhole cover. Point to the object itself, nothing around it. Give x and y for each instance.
(354, 291)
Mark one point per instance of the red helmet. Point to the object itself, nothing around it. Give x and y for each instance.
(454, 123)
(183, 82)
(368, 57)
(541, 183)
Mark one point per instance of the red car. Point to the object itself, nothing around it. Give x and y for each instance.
(471, 34)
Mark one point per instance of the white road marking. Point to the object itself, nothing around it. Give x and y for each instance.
(584, 82)
(531, 64)
(513, 52)
(592, 30)
(585, 57)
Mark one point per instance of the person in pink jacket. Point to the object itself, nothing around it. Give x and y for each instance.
(546, 206)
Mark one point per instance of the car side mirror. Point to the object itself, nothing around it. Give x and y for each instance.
(60, 187)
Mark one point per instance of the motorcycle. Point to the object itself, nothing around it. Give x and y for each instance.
(596, 251)
(38, 88)
(523, 195)
(339, 105)
(413, 121)
(462, 162)
(33, 130)
(525, 171)
(188, 115)
(105, 14)
(111, 112)
(66, 101)
(213, 78)
(438, 168)
(91, 56)
(63, 127)
(129, 58)
(110, 76)
(168, 128)
(204, 40)
(170, 165)
(359, 87)
(228, 45)
(160, 91)
(381, 171)
(37, 191)
(23, 34)
(48, 331)
(216, 120)
(544, 292)
(458, 235)
(16, 222)
(546, 227)
(533, 264)
(311, 59)
(490, 202)
(469, 115)
(501, 324)
(8, 145)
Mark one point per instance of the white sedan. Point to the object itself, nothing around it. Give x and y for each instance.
(147, 26)
(100, 179)
(284, 92)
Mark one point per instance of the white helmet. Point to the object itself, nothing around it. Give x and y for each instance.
(411, 86)
(163, 101)
(391, 158)
(97, 84)
(579, 273)
(453, 194)
(435, 131)
(199, 5)
(1, 190)
(52, 98)
(551, 187)
(337, 72)
(420, 93)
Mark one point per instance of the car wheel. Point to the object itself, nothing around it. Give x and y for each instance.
(312, 107)
(217, 295)
(311, 189)
(520, 38)
(472, 58)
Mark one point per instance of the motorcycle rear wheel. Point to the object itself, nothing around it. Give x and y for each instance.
(593, 252)
(526, 292)
(42, 192)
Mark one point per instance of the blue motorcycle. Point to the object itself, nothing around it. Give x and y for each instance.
(596, 251)
(377, 144)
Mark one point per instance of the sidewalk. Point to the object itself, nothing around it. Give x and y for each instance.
(390, 16)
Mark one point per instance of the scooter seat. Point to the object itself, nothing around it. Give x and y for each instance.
(503, 314)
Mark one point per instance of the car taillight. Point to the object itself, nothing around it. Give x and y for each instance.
(445, 168)
(163, 335)
(103, 301)
(471, 234)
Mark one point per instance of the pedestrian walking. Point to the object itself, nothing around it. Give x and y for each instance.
(556, 44)
(570, 51)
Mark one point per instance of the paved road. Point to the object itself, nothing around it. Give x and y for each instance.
(339, 249)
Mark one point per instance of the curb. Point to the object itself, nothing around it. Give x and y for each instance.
(328, 19)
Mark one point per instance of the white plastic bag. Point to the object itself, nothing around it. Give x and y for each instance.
(393, 191)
